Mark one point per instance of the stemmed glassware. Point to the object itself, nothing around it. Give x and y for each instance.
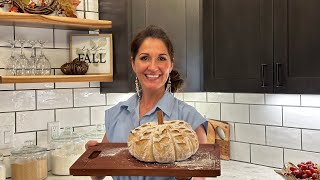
(12, 61)
(43, 66)
(33, 58)
(22, 62)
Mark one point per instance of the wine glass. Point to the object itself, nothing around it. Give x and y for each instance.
(22, 62)
(43, 66)
(33, 58)
(11, 62)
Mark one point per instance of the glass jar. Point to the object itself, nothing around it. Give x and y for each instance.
(96, 133)
(29, 162)
(2, 168)
(65, 150)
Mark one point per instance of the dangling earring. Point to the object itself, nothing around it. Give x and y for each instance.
(169, 85)
(137, 87)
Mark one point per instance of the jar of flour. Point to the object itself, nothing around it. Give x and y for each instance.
(2, 168)
(65, 150)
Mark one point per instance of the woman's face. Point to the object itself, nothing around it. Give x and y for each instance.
(152, 64)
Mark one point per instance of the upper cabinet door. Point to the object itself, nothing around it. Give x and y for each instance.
(297, 46)
(181, 20)
(237, 43)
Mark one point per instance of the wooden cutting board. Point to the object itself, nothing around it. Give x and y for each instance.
(214, 138)
(114, 159)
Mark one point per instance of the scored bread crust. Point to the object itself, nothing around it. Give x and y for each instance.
(164, 143)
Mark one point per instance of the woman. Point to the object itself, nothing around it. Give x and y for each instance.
(152, 60)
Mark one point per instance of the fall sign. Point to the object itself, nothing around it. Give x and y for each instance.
(94, 49)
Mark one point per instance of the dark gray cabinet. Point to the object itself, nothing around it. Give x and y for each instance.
(237, 44)
(180, 18)
(267, 46)
(297, 46)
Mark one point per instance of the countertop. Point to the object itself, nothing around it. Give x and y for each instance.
(229, 170)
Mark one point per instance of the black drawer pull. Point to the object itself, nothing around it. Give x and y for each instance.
(263, 75)
(278, 72)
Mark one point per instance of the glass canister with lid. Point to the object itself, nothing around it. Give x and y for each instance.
(2, 168)
(65, 150)
(29, 162)
(96, 133)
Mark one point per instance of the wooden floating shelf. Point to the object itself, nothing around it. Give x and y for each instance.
(57, 78)
(47, 21)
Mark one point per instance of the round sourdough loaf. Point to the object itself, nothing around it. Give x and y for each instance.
(164, 143)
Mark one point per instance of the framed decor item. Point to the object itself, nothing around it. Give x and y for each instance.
(94, 49)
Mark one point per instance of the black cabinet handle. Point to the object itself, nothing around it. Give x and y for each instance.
(278, 71)
(263, 75)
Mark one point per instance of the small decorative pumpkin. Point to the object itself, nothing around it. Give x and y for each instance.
(76, 67)
(164, 143)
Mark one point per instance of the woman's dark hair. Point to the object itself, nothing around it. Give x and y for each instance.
(153, 31)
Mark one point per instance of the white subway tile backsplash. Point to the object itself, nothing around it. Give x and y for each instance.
(231, 126)
(240, 151)
(310, 140)
(310, 100)
(34, 86)
(33, 120)
(264, 114)
(301, 117)
(115, 98)
(235, 112)
(17, 100)
(92, 15)
(220, 97)
(28, 33)
(6, 87)
(247, 98)
(210, 110)
(57, 98)
(92, 5)
(296, 156)
(62, 37)
(89, 97)
(5, 53)
(72, 84)
(268, 156)
(7, 119)
(80, 14)
(5, 35)
(73, 117)
(250, 133)
(98, 114)
(283, 137)
(283, 99)
(202, 97)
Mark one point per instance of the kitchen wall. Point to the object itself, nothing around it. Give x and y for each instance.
(266, 129)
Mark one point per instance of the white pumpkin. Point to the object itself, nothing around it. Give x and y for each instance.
(164, 143)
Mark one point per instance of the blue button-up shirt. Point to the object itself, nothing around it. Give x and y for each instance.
(124, 117)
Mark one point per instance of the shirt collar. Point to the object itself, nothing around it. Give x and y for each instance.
(166, 103)
(131, 103)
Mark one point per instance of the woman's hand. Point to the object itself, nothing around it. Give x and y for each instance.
(91, 144)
